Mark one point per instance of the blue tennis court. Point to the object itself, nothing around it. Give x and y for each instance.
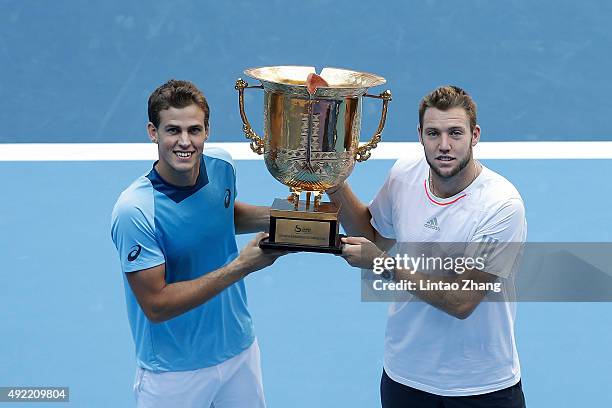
(80, 73)
(64, 314)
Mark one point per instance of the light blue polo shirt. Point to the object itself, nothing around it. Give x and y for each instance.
(191, 230)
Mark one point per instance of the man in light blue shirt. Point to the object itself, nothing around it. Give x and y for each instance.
(174, 229)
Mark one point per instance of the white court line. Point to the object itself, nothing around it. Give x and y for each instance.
(241, 151)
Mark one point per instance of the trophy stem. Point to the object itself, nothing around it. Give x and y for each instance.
(317, 199)
(295, 198)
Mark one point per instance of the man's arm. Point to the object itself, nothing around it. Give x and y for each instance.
(355, 216)
(360, 253)
(251, 218)
(161, 301)
(457, 303)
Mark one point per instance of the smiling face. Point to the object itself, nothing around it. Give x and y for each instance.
(180, 139)
(447, 140)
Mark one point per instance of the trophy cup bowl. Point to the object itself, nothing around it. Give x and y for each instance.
(310, 143)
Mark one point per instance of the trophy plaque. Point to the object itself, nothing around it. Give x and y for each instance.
(312, 125)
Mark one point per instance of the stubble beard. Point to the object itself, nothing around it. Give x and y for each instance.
(462, 165)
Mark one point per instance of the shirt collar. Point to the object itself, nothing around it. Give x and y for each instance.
(178, 193)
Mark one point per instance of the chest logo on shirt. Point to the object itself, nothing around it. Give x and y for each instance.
(432, 224)
(228, 198)
(135, 251)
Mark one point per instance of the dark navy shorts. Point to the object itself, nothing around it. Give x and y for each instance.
(396, 395)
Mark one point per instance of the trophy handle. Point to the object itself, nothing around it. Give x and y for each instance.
(257, 143)
(364, 152)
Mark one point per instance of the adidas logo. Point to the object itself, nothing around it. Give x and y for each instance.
(433, 224)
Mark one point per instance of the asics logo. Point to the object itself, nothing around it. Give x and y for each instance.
(135, 251)
(228, 197)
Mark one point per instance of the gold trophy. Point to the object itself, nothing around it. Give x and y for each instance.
(311, 142)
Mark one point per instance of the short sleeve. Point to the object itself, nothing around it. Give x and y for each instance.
(224, 155)
(133, 232)
(381, 209)
(500, 239)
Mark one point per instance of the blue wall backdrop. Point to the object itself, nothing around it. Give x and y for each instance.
(73, 71)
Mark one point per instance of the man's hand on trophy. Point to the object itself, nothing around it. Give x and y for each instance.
(334, 189)
(252, 258)
(360, 252)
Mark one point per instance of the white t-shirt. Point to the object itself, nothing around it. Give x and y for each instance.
(426, 348)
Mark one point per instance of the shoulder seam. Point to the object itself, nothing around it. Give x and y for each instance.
(150, 185)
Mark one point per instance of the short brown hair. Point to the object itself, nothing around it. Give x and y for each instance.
(177, 94)
(447, 97)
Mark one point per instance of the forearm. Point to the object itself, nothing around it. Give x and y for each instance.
(354, 215)
(457, 303)
(177, 298)
(251, 218)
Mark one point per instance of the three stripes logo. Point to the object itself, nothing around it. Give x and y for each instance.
(432, 224)
(487, 246)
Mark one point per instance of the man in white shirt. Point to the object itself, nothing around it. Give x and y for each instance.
(443, 348)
